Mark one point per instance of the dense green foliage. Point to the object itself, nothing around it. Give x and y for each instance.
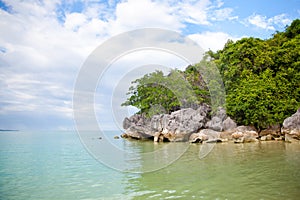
(261, 78)
(158, 93)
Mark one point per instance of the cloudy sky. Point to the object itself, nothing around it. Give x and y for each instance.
(44, 43)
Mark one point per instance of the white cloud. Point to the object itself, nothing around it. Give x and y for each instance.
(212, 40)
(75, 20)
(133, 14)
(281, 20)
(42, 50)
(261, 22)
(194, 12)
(268, 23)
(223, 14)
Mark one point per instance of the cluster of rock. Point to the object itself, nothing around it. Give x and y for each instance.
(198, 126)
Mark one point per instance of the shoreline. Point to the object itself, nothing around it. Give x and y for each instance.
(197, 126)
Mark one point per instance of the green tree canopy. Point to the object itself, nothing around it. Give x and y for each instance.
(156, 93)
(262, 77)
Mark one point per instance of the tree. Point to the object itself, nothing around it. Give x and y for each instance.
(262, 77)
(155, 93)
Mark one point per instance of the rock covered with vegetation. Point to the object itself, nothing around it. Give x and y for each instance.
(262, 83)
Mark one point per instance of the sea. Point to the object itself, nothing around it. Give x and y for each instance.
(48, 165)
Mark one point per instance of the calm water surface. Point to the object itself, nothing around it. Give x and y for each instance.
(55, 165)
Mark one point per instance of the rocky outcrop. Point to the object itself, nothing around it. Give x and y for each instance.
(173, 127)
(182, 121)
(291, 127)
(197, 126)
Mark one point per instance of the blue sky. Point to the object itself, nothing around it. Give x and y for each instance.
(43, 45)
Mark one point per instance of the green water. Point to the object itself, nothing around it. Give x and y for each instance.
(55, 165)
(268, 170)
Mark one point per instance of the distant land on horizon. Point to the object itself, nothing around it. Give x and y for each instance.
(8, 130)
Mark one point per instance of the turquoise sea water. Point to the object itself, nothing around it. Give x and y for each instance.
(55, 165)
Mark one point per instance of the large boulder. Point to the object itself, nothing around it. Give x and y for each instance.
(206, 135)
(220, 121)
(187, 120)
(138, 132)
(291, 127)
(216, 123)
(244, 134)
(229, 124)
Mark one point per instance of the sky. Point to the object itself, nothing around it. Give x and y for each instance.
(44, 43)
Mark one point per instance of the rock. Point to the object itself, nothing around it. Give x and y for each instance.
(124, 135)
(198, 138)
(273, 130)
(291, 127)
(116, 137)
(136, 119)
(220, 121)
(244, 134)
(216, 123)
(226, 135)
(292, 122)
(138, 132)
(207, 135)
(156, 123)
(228, 124)
(211, 134)
(245, 128)
(217, 140)
(176, 126)
(156, 137)
(237, 135)
(292, 135)
(187, 120)
(279, 138)
(126, 123)
(266, 137)
(250, 136)
(159, 137)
